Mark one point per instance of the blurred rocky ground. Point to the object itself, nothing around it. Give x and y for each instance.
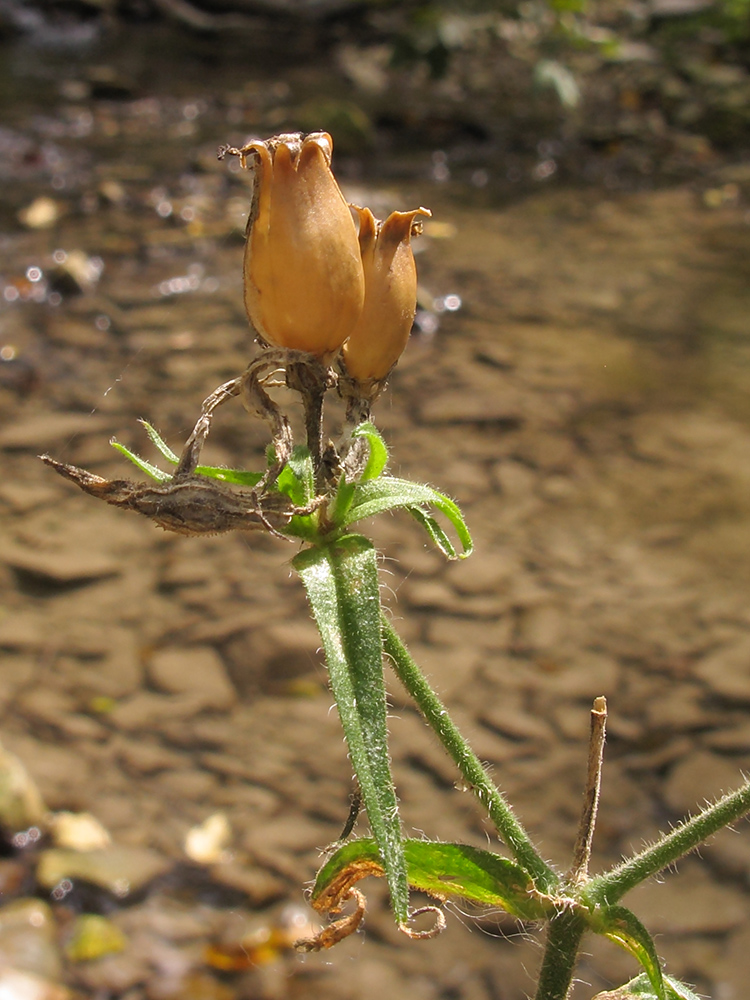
(577, 379)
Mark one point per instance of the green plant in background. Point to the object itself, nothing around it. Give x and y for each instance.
(331, 308)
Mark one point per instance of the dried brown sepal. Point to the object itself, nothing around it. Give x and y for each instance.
(358, 396)
(338, 929)
(193, 505)
(339, 890)
(332, 897)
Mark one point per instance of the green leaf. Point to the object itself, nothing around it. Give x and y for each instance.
(378, 450)
(157, 440)
(623, 927)
(436, 533)
(641, 988)
(297, 479)
(343, 588)
(442, 870)
(387, 493)
(141, 463)
(342, 501)
(240, 477)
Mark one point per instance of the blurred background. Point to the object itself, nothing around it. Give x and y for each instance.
(577, 378)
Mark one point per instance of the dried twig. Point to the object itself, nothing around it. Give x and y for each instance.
(582, 851)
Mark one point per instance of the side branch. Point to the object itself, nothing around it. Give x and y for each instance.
(613, 885)
(582, 852)
(508, 826)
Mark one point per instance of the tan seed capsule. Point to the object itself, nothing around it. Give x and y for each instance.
(382, 332)
(304, 284)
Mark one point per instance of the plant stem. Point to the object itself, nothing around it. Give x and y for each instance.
(564, 935)
(611, 886)
(579, 870)
(502, 815)
(309, 379)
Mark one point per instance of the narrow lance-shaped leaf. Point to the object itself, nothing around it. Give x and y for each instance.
(378, 450)
(158, 441)
(240, 477)
(446, 871)
(297, 479)
(436, 533)
(623, 927)
(342, 501)
(140, 463)
(342, 585)
(386, 493)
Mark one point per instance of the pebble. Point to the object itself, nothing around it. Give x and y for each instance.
(288, 834)
(678, 710)
(484, 572)
(729, 853)
(18, 985)
(114, 974)
(28, 938)
(504, 406)
(427, 595)
(73, 566)
(186, 785)
(449, 669)
(117, 668)
(727, 670)
(541, 628)
(287, 649)
(195, 986)
(688, 902)
(42, 431)
(21, 804)
(729, 738)
(93, 936)
(195, 671)
(511, 721)
(732, 978)
(144, 756)
(450, 630)
(52, 708)
(119, 869)
(63, 775)
(41, 213)
(144, 710)
(259, 885)
(700, 777)
(25, 496)
(24, 630)
(79, 831)
(207, 842)
(585, 674)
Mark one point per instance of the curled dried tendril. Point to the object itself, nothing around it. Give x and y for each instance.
(338, 929)
(431, 932)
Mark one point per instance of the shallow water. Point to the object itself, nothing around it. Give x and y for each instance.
(586, 402)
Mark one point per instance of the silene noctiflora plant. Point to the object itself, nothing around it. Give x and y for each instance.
(331, 304)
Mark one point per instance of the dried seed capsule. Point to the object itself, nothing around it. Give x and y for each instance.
(381, 334)
(304, 284)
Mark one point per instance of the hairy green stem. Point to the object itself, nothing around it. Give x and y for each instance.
(613, 885)
(508, 826)
(564, 935)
